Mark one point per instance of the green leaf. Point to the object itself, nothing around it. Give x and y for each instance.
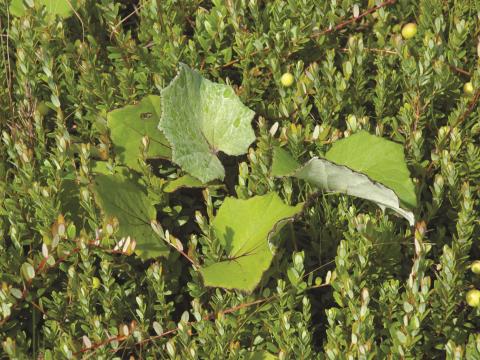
(62, 8)
(16, 293)
(338, 178)
(362, 165)
(122, 196)
(102, 167)
(128, 125)
(182, 182)
(283, 164)
(201, 118)
(27, 271)
(380, 159)
(244, 228)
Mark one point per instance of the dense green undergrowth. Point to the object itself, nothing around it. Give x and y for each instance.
(114, 243)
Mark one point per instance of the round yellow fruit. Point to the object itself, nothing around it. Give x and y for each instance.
(473, 297)
(96, 282)
(468, 88)
(287, 80)
(475, 267)
(409, 31)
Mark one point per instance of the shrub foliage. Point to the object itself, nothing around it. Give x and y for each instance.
(79, 275)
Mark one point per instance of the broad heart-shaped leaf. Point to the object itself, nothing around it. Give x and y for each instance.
(338, 178)
(129, 124)
(122, 196)
(62, 8)
(330, 176)
(244, 228)
(378, 158)
(201, 118)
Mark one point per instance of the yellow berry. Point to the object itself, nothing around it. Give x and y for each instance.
(287, 79)
(468, 88)
(473, 297)
(95, 282)
(476, 267)
(409, 31)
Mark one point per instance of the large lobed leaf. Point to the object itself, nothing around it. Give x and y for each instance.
(128, 125)
(338, 178)
(62, 8)
(244, 228)
(362, 165)
(122, 196)
(201, 118)
(378, 158)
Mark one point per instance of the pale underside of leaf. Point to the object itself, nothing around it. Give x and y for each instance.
(338, 178)
(380, 159)
(201, 118)
(332, 177)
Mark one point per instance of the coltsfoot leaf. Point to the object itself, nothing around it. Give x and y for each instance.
(121, 195)
(244, 228)
(362, 165)
(338, 178)
(380, 159)
(128, 125)
(201, 118)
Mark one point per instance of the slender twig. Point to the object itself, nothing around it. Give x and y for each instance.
(41, 268)
(381, 51)
(79, 18)
(184, 254)
(233, 309)
(354, 19)
(323, 32)
(232, 62)
(100, 344)
(208, 317)
(473, 103)
(135, 11)
(166, 238)
(459, 70)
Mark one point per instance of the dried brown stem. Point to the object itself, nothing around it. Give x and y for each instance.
(459, 70)
(324, 32)
(354, 19)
